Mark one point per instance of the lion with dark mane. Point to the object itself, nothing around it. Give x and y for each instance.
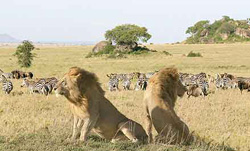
(92, 111)
(160, 98)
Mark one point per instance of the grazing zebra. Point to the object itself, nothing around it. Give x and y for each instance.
(113, 84)
(36, 87)
(126, 84)
(30, 85)
(7, 85)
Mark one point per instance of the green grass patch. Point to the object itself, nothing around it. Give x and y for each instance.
(193, 54)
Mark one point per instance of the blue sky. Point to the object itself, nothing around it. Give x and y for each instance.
(87, 20)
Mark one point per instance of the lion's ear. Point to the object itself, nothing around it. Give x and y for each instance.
(108, 75)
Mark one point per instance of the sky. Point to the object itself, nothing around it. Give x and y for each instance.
(88, 20)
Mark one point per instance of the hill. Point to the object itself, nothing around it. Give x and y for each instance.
(225, 30)
(5, 38)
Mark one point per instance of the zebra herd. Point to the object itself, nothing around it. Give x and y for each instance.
(41, 85)
(196, 84)
(126, 80)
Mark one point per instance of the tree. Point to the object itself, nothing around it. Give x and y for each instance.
(198, 27)
(226, 18)
(127, 34)
(24, 55)
(227, 28)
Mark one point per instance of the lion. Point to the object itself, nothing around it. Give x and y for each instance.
(159, 99)
(92, 111)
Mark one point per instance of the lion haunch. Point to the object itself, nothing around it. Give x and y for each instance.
(92, 111)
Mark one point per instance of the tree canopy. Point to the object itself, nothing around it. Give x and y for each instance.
(127, 34)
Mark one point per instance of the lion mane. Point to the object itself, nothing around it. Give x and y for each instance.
(160, 98)
(92, 111)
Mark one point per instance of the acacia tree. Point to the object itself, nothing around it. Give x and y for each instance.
(24, 55)
(198, 27)
(127, 35)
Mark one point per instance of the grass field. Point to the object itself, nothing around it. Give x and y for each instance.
(35, 122)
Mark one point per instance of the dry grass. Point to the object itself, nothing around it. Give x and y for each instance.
(34, 122)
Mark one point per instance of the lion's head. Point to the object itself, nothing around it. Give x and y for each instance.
(76, 83)
(167, 84)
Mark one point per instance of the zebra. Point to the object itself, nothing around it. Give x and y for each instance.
(126, 84)
(43, 87)
(36, 87)
(30, 85)
(228, 83)
(8, 75)
(203, 84)
(7, 85)
(45, 90)
(225, 82)
(113, 84)
(49, 82)
(141, 84)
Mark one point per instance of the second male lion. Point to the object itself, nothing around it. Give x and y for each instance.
(92, 111)
(160, 97)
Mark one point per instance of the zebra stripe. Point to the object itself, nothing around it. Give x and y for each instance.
(7, 86)
(113, 84)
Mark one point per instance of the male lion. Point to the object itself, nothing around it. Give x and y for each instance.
(159, 98)
(92, 110)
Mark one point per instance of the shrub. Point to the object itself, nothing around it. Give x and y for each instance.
(24, 55)
(111, 52)
(109, 49)
(167, 53)
(193, 54)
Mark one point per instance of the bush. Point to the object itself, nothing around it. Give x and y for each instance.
(24, 55)
(167, 53)
(193, 54)
(111, 52)
(109, 49)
